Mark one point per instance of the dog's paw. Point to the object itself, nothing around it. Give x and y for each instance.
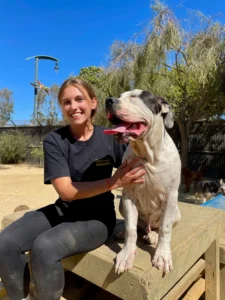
(162, 259)
(151, 238)
(124, 260)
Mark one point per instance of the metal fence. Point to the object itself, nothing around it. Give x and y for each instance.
(206, 147)
(31, 122)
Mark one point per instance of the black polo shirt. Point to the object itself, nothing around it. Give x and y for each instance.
(83, 161)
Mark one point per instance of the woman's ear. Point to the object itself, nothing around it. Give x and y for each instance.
(94, 103)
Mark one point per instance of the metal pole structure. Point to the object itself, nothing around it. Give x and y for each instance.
(56, 68)
(35, 91)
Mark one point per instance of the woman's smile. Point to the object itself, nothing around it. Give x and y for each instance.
(76, 115)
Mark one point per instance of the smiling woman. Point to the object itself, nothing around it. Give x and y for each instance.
(85, 90)
(78, 103)
(78, 162)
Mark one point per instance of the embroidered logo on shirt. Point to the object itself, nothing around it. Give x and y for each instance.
(102, 162)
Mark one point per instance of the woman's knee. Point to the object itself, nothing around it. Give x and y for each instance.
(42, 250)
(34, 214)
(8, 243)
(12, 236)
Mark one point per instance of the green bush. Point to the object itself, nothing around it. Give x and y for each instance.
(13, 147)
(38, 153)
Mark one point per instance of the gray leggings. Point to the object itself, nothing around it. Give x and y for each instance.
(49, 245)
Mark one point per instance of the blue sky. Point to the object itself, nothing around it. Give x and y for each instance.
(78, 33)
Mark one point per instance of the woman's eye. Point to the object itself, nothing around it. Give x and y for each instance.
(80, 99)
(67, 102)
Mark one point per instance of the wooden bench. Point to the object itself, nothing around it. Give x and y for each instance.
(222, 262)
(195, 250)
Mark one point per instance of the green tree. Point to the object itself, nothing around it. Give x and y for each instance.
(96, 76)
(6, 106)
(182, 64)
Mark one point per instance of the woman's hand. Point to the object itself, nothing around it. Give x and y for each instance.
(128, 173)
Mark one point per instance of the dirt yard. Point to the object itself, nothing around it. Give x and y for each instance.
(23, 185)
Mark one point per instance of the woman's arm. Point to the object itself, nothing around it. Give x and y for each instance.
(124, 175)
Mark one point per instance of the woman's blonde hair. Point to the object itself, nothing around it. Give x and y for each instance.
(84, 87)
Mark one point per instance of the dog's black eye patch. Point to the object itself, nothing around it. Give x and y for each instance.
(150, 101)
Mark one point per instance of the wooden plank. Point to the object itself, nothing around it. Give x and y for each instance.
(2, 290)
(190, 240)
(222, 281)
(196, 290)
(186, 281)
(186, 251)
(212, 272)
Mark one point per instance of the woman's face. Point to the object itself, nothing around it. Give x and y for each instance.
(75, 107)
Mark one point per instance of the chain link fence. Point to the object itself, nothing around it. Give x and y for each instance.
(32, 123)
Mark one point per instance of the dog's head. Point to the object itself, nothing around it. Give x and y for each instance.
(134, 113)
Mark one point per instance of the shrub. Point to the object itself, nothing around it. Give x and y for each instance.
(13, 147)
(38, 153)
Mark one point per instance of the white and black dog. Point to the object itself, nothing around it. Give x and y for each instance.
(140, 119)
(205, 190)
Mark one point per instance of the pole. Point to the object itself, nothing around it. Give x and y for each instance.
(35, 113)
(35, 91)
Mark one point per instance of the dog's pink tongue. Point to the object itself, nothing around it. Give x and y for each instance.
(119, 129)
(136, 128)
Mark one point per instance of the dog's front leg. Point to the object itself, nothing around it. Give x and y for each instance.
(125, 258)
(170, 215)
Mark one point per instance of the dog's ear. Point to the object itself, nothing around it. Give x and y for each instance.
(166, 112)
(221, 181)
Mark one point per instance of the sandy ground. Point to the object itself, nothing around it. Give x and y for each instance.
(23, 185)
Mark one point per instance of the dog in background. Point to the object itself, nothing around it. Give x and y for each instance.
(189, 176)
(205, 190)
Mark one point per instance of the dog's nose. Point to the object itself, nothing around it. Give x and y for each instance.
(110, 101)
